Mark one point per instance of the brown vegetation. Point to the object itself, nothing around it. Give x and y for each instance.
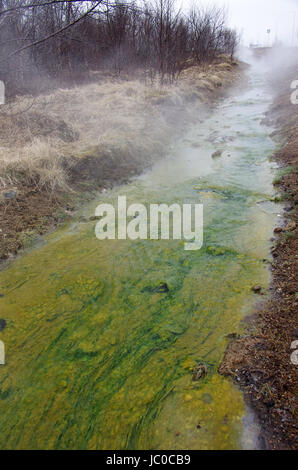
(260, 361)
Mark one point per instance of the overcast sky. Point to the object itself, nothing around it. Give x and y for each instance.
(254, 17)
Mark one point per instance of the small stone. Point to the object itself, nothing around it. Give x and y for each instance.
(10, 194)
(217, 154)
(2, 324)
(199, 372)
(257, 289)
(232, 336)
(290, 227)
(163, 288)
(278, 230)
(160, 289)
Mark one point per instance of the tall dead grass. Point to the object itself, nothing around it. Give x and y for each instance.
(37, 164)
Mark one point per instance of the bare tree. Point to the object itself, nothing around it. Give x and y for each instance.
(62, 40)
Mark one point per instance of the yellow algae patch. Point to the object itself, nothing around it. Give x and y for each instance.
(96, 360)
(208, 418)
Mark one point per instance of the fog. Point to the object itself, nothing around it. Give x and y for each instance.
(252, 18)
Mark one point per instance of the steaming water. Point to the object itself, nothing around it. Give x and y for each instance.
(96, 358)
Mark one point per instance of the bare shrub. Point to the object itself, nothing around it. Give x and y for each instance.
(36, 164)
(45, 43)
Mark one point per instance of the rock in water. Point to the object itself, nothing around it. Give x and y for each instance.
(162, 288)
(257, 289)
(199, 372)
(290, 227)
(159, 289)
(217, 154)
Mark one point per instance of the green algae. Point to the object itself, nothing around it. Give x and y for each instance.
(93, 355)
(99, 354)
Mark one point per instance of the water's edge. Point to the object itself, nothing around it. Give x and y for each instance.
(96, 358)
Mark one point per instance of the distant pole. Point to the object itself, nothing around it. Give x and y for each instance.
(268, 32)
(294, 29)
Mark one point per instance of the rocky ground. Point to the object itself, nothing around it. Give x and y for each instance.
(260, 361)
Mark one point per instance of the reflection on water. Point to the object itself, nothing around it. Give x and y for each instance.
(97, 357)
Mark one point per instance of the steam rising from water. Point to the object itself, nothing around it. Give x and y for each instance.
(253, 18)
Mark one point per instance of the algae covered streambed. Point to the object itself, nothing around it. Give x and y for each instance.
(97, 355)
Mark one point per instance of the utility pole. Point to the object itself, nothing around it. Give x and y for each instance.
(268, 32)
(294, 30)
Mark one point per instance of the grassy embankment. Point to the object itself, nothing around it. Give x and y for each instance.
(56, 148)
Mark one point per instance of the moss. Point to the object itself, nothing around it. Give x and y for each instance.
(110, 353)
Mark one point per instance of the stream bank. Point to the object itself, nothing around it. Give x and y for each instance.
(116, 344)
(58, 151)
(260, 360)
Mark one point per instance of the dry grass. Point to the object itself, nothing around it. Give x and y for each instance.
(114, 117)
(36, 163)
